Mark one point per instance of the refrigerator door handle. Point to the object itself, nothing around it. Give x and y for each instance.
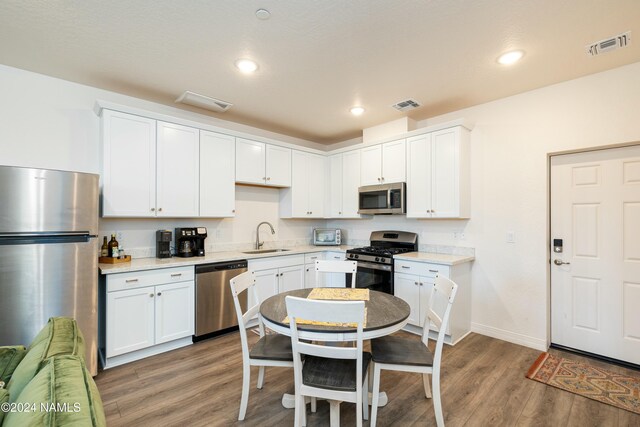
(31, 239)
(47, 234)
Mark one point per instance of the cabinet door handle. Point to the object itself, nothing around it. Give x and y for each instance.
(131, 280)
(176, 275)
(415, 283)
(159, 293)
(153, 209)
(159, 209)
(421, 283)
(150, 295)
(433, 271)
(233, 211)
(307, 269)
(264, 178)
(339, 213)
(406, 266)
(314, 257)
(336, 257)
(268, 178)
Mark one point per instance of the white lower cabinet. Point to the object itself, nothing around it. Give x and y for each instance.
(174, 311)
(413, 282)
(310, 271)
(147, 312)
(130, 320)
(277, 274)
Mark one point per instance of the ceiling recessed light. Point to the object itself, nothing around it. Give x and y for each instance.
(510, 57)
(357, 111)
(246, 66)
(263, 14)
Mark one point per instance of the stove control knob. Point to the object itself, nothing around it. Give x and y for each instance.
(383, 260)
(378, 259)
(356, 256)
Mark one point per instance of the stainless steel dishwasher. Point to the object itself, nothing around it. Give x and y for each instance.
(215, 311)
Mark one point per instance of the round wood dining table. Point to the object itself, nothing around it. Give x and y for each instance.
(385, 314)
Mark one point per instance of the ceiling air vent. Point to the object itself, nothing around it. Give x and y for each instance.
(406, 105)
(613, 43)
(206, 102)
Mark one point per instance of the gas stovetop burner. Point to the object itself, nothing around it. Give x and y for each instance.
(379, 251)
(384, 245)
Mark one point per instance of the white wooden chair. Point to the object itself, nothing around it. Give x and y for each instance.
(331, 266)
(408, 355)
(338, 374)
(270, 350)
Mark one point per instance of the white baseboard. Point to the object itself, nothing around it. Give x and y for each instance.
(513, 337)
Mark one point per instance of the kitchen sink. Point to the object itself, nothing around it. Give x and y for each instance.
(266, 251)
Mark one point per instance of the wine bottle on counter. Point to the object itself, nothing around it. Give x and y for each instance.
(104, 251)
(113, 247)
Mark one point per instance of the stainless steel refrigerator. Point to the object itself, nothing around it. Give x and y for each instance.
(48, 253)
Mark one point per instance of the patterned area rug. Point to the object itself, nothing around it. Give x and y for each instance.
(594, 383)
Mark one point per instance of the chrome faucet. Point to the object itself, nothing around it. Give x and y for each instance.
(258, 243)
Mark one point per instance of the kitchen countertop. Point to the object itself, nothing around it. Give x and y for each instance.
(140, 264)
(444, 259)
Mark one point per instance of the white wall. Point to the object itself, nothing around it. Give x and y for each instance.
(47, 122)
(50, 123)
(509, 146)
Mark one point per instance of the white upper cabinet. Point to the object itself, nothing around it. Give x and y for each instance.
(129, 167)
(150, 169)
(438, 174)
(393, 162)
(262, 164)
(305, 198)
(383, 164)
(217, 175)
(344, 179)
(334, 189)
(278, 166)
(178, 166)
(371, 165)
(250, 162)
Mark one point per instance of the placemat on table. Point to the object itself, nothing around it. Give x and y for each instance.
(346, 294)
(319, 323)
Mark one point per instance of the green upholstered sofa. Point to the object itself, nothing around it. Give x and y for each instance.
(48, 384)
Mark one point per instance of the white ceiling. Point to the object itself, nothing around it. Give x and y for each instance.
(316, 58)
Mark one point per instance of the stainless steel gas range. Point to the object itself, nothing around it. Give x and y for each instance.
(375, 262)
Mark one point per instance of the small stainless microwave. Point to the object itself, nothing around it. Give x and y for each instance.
(384, 199)
(327, 236)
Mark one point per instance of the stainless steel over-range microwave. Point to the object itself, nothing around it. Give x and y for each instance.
(384, 199)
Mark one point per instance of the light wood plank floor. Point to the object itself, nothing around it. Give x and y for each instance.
(483, 384)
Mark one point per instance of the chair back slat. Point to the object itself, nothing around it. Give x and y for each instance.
(328, 351)
(241, 283)
(440, 302)
(331, 266)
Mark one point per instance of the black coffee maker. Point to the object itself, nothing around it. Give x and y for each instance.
(190, 241)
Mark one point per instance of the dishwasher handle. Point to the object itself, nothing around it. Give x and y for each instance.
(221, 266)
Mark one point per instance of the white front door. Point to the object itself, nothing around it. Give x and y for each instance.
(595, 279)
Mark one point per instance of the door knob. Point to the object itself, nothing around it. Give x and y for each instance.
(560, 262)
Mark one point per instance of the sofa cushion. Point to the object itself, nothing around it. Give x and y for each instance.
(10, 357)
(62, 394)
(60, 336)
(4, 398)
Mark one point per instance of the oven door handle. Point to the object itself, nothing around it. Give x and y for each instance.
(374, 266)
